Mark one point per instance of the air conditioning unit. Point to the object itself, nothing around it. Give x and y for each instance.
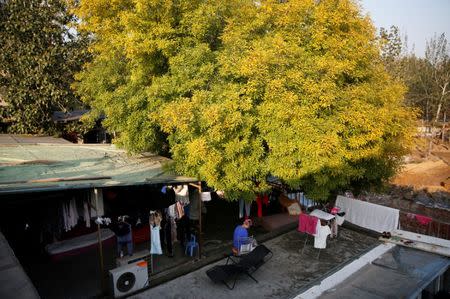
(129, 278)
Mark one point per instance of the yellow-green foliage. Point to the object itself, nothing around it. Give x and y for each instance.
(247, 89)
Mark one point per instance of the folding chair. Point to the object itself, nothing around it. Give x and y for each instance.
(247, 264)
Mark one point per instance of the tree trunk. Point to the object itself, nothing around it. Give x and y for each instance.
(438, 111)
(441, 100)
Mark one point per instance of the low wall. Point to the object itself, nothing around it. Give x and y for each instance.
(438, 227)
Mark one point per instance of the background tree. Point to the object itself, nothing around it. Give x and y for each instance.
(393, 51)
(437, 68)
(38, 59)
(245, 90)
(427, 78)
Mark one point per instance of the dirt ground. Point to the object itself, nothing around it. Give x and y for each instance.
(431, 172)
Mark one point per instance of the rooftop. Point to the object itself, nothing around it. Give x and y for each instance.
(399, 273)
(287, 274)
(14, 281)
(30, 164)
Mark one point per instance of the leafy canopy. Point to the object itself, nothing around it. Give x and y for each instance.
(241, 90)
(38, 59)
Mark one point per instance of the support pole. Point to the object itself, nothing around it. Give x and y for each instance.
(100, 246)
(151, 263)
(200, 238)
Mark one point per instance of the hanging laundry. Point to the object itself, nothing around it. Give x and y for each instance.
(244, 205)
(65, 215)
(86, 215)
(307, 224)
(179, 210)
(155, 241)
(260, 201)
(411, 216)
(423, 220)
(205, 196)
(320, 240)
(172, 211)
(155, 218)
(368, 215)
(182, 193)
(73, 213)
(194, 209)
(97, 205)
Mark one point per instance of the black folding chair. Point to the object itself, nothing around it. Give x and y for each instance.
(247, 264)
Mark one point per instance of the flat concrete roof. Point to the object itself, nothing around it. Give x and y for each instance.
(399, 273)
(31, 167)
(284, 276)
(14, 283)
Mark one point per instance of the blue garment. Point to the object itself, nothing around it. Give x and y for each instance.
(239, 233)
(129, 245)
(187, 211)
(126, 239)
(164, 189)
(155, 245)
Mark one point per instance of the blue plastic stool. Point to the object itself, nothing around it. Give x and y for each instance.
(190, 246)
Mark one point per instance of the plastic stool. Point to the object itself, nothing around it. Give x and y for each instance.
(190, 246)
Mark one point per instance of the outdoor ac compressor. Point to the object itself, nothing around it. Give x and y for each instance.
(129, 278)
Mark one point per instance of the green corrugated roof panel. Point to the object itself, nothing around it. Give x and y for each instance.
(43, 167)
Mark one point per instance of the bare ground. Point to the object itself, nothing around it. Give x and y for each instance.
(422, 172)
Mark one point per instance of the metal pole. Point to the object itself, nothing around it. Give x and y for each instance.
(200, 238)
(100, 246)
(151, 263)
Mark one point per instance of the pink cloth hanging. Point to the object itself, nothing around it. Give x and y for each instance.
(307, 224)
(424, 220)
(311, 227)
(302, 220)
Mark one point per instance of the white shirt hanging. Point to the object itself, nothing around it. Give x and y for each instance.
(205, 196)
(182, 194)
(320, 240)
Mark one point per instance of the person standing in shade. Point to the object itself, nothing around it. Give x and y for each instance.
(123, 234)
(240, 233)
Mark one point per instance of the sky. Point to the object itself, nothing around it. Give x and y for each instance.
(418, 19)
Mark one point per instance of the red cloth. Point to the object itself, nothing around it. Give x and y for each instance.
(260, 200)
(335, 210)
(307, 224)
(424, 220)
(311, 226)
(302, 220)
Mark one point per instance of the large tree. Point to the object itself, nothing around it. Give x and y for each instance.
(248, 89)
(39, 55)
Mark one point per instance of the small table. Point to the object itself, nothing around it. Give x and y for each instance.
(330, 218)
(322, 215)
